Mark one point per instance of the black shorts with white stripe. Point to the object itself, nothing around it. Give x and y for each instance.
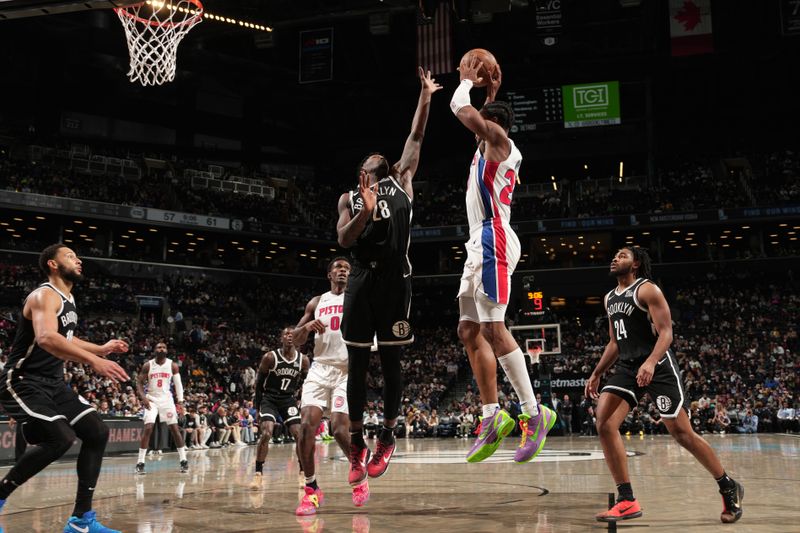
(29, 397)
(665, 389)
(279, 410)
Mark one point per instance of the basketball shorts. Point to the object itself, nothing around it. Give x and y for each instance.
(272, 409)
(34, 398)
(377, 303)
(665, 389)
(485, 288)
(163, 408)
(326, 387)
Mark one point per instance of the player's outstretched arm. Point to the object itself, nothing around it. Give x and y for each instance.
(461, 106)
(405, 169)
(307, 324)
(112, 346)
(44, 306)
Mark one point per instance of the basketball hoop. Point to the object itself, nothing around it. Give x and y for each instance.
(154, 29)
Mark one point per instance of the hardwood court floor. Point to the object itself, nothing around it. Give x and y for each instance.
(429, 488)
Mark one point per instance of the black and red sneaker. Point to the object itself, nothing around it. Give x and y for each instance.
(732, 503)
(359, 457)
(380, 459)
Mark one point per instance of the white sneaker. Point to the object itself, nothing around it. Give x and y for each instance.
(151, 453)
(256, 483)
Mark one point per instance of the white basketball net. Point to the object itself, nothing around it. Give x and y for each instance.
(154, 29)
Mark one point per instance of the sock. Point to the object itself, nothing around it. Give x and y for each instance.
(311, 481)
(625, 492)
(514, 366)
(260, 466)
(6, 488)
(489, 409)
(386, 435)
(182, 453)
(725, 483)
(357, 438)
(83, 500)
(142, 454)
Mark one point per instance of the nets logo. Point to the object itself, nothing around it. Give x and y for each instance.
(292, 411)
(588, 96)
(663, 403)
(401, 329)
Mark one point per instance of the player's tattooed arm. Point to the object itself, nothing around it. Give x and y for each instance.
(307, 324)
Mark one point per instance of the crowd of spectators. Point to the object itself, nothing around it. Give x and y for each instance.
(735, 335)
(770, 179)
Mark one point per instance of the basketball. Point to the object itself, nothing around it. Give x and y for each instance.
(488, 68)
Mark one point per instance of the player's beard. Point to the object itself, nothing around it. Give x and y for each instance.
(620, 271)
(69, 275)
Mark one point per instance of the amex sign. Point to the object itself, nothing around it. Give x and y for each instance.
(591, 104)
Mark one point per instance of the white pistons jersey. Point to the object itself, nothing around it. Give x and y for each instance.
(159, 380)
(329, 347)
(490, 188)
(493, 248)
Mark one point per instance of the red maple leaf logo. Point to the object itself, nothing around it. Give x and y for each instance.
(689, 15)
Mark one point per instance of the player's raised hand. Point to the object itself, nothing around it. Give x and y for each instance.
(494, 84)
(109, 369)
(429, 84)
(369, 193)
(315, 326)
(470, 72)
(115, 346)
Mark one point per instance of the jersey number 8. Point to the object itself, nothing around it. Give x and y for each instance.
(381, 211)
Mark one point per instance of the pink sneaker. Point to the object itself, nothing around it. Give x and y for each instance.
(361, 494)
(312, 500)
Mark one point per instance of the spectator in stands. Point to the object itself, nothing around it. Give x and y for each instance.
(221, 428)
(371, 424)
(466, 423)
(721, 420)
(565, 414)
(749, 423)
(787, 418)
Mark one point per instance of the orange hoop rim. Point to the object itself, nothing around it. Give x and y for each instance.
(189, 21)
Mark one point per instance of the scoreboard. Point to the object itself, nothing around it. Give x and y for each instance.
(534, 108)
(565, 106)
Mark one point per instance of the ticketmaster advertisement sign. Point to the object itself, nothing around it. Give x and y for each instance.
(123, 436)
(564, 381)
(591, 104)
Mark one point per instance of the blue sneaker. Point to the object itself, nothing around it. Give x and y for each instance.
(2, 503)
(87, 524)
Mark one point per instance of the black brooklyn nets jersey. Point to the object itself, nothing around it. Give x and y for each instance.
(630, 323)
(387, 235)
(26, 357)
(283, 378)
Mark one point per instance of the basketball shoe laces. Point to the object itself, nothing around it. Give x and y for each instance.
(379, 451)
(523, 425)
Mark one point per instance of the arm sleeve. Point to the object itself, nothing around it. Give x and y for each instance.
(260, 379)
(461, 96)
(176, 380)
